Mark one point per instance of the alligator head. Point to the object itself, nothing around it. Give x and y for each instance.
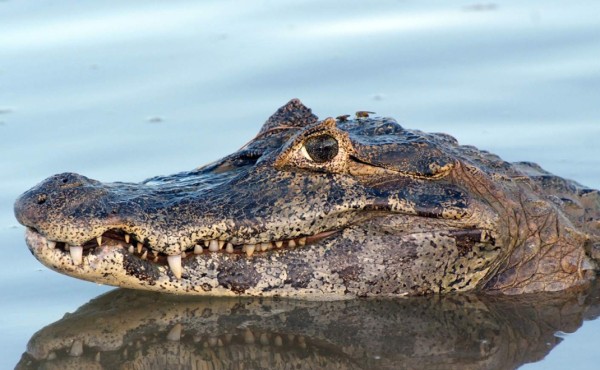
(323, 209)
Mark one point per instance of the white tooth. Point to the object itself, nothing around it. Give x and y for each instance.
(76, 254)
(244, 248)
(278, 341)
(183, 254)
(221, 244)
(229, 248)
(139, 247)
(130, 249)
(291, 243)
(214, 246)
(264, 246)
(76, 349)
(301, 342)
(279, 244)
(250, 249)
(127, 238)
(175, 265)
(248, 337)
(206, 242)
(51, 245)
(175, 333)
(145, 255)
(198, 249)
(99, 240)
(97, 358)
(302, 241)
(263, 339)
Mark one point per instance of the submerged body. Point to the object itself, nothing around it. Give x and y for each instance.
(324, 210)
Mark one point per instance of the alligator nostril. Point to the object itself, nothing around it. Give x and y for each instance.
(41, 199)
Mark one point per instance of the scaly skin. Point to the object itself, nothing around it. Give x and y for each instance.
(326, 209)
(455, 331)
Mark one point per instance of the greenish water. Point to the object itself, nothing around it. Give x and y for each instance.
(125, 91)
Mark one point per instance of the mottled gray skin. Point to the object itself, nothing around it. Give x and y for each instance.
(453, 332)
(395, 212)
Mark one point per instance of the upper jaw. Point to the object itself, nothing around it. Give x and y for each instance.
(75, 255)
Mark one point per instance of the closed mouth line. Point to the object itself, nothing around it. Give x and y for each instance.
(135, 247)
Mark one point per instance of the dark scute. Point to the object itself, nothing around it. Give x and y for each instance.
(322, 148)
(293, 114)
(384, 143)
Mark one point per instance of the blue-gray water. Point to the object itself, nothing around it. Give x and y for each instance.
(125, 91)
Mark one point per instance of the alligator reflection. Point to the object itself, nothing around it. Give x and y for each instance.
(136, 330)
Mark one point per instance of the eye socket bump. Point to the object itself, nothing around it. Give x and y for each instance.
(321, 148)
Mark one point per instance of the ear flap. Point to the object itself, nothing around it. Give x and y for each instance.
(292, 115)
(384, 143)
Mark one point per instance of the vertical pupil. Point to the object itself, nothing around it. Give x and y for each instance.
(321, 148)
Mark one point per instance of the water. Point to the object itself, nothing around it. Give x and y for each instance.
(125, 91)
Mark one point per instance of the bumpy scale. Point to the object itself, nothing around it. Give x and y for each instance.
(324, 210)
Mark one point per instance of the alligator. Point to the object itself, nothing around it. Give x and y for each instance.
(324, 209)
(452, 331)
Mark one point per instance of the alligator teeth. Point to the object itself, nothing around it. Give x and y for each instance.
(76, 254)
(76, 349)
(175, 265)
(279, 244)
(198, 249)
(206, 242)
(139, 247)
(249, 249)
(263, 339)
(213, 246)
(99, 240)
(302, 241)
(265, 246)
(221, 244)
(51, 245)
(291, 243)
(145, 255)
(229, 248)
(248, 337)
(175, 333)
(127, 238)
(130, 249)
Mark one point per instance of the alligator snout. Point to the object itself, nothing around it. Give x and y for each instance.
(55, 199)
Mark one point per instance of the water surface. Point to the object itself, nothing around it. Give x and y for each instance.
(125, 91)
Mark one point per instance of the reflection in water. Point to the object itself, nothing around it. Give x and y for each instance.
(138, 330)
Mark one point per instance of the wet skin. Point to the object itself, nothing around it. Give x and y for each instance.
(326, 209)
(454, 331)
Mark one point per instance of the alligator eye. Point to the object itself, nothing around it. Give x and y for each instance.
(321, 148)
